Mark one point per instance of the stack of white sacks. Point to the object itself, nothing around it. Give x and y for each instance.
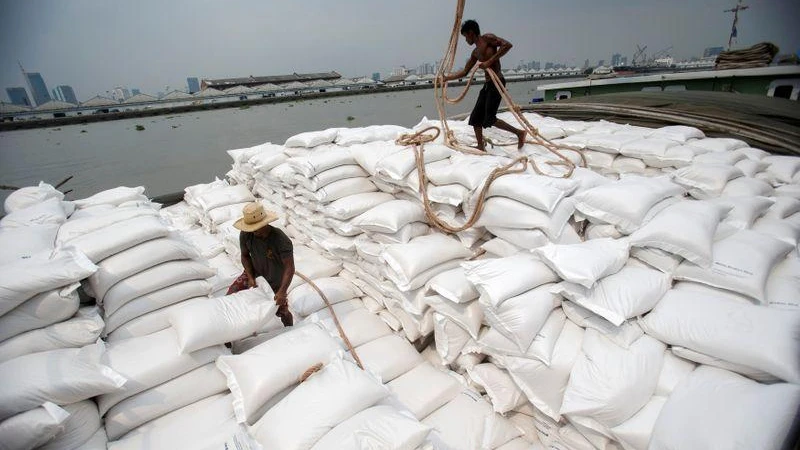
(625, 307)
(565, 344)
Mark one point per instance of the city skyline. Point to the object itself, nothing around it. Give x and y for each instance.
(152, 51)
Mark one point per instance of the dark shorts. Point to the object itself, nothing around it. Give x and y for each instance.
(484, 114)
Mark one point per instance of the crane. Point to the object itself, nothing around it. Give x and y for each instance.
(640, 56)
(734, 32)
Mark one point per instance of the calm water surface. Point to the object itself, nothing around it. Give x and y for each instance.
(177, 151)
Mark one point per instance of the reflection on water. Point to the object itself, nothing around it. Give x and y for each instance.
(173, 152)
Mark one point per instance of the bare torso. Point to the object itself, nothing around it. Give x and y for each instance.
(485, 47)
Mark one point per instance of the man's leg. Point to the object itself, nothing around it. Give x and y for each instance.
(479, 137)
(503, 125)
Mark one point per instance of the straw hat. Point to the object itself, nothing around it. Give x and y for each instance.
(254, 217)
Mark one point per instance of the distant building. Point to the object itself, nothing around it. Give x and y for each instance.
(18, 96)
(65, 93)
(712, 51)
(376, 76)
(616, 60)
(193, 84)
(399, 71)
(135, 91)
(120, 94)
(548, 65)
(251, 81)
(37, 87)
(425, 69)
(624, 61)
(601, 62)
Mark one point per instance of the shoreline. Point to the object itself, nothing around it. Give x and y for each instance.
(105, 117)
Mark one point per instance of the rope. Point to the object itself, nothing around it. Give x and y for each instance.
(440, 94)
(310, 371)
(417, 141)
(335, 320)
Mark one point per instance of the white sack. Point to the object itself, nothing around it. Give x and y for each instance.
(292, 425)
(60, 376)
(734, 331)
(22, 280)
(81, 425)
(783, 284)
(520, 318)
(706, 397)
(454, 286)
(224, 196)
(136, 259)
(741, 263)
(706, 180)
(628, 293)
(538, 191)
(343, 188)
(181, 391)
(467, 315)
(351, 206)
(468, 421)
(499, 386)
(610, 383)
(634, 433)
(625, 203)
(100, 244)
(311, 139)
(40, 311)
(29, 196)
(507, 213)
(360, 326)
(544, 385)
(623, 335)
(500, 279)
(49, 212)
(153, 279)
(23, 243)
(587, 262)
(148, 361)
(388, 357)
(304, 300)
(223, 319)
(79, 226)
(31, 429)
(153, 301)
(389, 217)
(423, 253)
(76, 332)
(684, 228)
(377, 427)
(424, 389)
(254, 378)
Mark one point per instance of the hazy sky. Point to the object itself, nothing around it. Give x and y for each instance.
(95, 45)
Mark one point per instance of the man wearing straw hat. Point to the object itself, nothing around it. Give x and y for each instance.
(266, 252)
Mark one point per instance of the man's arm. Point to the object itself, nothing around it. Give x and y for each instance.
(286, 279)
(247, 263)
(502, 46)
(456, 75)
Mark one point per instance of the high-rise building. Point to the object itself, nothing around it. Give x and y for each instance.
(18, 96)
(624, 61)
(37, 87)
(586, 64)
(65, 94)
(548, 65)
(712, 51)
(601, 62)
(616, 60)
(376, 76)
(194, 85)
(135, 91)
(120, 94)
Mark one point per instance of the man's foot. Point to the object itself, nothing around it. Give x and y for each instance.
(521, 139)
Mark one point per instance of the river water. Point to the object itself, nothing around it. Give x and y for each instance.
(176, 151)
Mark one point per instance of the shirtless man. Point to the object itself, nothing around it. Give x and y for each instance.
(488, 50)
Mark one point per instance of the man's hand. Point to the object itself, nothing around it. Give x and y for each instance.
(486, 64)
(281, 299)
(251, 282)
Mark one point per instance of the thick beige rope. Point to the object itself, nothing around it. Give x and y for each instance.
(335, 320)
(440, 94)
(417, 141)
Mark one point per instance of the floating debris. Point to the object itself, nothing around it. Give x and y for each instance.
(350, 118)
(139, 127)
(84, 131)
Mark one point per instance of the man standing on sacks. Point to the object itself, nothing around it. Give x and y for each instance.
(266, 252)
